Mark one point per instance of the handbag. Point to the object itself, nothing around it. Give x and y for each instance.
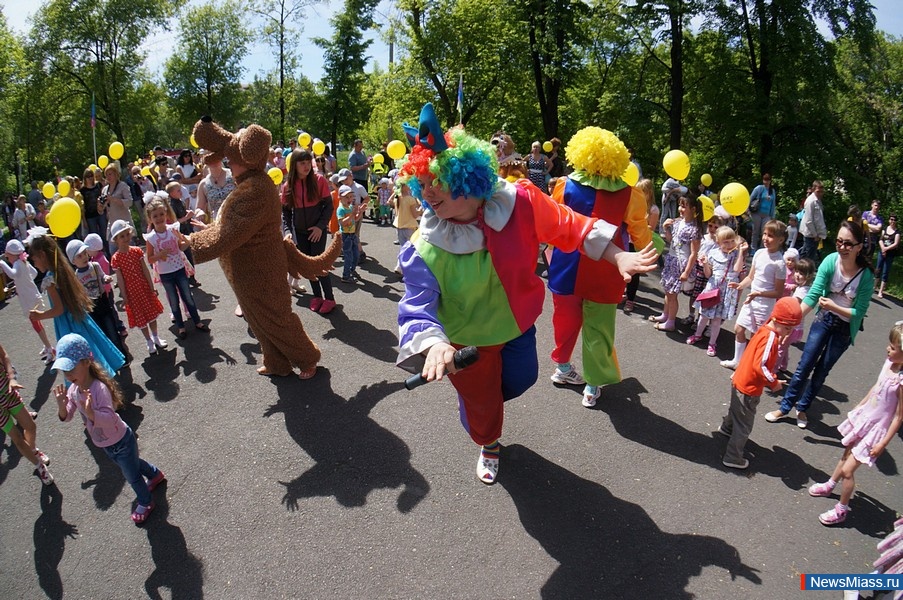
(709, 298)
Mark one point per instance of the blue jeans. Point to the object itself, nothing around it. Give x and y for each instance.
(176, 284)
(125, 454)
(883, 268)
(810, 250)
(350, 254)
(824, 347)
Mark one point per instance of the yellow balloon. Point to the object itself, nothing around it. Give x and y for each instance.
(64, 217)
(304, 139)
(735, 198)
(48, 190)
(396, 149)
(116, 150)
(706, 179)
(708, 207)
(677, 164)
(511, 178)
(63, 187)
(379, 159)
(146, 171)
(276, 175)
(631, 175)
(547, 147)
(319, 147)
(192, 141)
(288, 162)
(103, 161)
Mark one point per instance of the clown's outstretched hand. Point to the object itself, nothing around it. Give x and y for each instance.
(630, 263)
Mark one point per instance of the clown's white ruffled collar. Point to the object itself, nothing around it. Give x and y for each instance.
(466, 238)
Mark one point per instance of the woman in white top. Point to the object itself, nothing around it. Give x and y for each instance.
(116, 197)
(23, 218)
(213, 189)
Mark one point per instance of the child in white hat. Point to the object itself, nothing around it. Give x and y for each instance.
(22, 274)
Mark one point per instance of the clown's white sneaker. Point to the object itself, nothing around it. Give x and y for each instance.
(487, 469)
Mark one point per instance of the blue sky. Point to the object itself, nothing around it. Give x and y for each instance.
(316, 24)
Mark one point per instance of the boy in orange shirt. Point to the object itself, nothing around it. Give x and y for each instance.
(755, 371)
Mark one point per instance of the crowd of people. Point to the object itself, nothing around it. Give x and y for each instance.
(470, 216)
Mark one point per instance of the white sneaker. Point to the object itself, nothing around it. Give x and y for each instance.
(589, 400)
(151, 348)
(571, 377)
(487, 469)
(744, 463)
(42, 458)
(44, 474)
(158, 342)
(728, 364)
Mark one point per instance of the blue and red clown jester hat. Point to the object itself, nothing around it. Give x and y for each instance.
(461, 164)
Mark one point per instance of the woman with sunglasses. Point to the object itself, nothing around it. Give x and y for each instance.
(841, 294)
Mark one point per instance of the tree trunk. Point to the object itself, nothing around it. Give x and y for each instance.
(677, 74)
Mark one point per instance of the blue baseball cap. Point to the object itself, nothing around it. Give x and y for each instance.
(71, 350)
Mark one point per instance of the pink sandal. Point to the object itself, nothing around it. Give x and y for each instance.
(309, 373)
(141, 513)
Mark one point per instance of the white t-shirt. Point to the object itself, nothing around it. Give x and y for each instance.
(769, 267)
(169, 242)
(848, 297)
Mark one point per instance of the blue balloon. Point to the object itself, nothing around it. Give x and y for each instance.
(286, 152)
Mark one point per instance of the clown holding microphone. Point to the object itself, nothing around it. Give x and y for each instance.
(469, 274)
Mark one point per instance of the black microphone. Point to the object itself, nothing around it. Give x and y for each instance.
(463, 358)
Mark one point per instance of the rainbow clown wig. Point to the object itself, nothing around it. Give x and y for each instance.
(599, 158)
(460, 163)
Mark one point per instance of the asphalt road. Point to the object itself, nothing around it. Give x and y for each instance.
(349, 486)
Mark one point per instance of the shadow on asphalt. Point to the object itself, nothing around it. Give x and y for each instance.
(371, 341)
(201, 355)
(354, 454)
(162, 374)
(638, 423)
(50, 533)
(177, 569)
(368, 285)
(606, 547)
(43, 389)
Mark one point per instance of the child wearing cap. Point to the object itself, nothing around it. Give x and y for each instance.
(11, 408)
(96, 397)
(142, 306)
(756, 370)
(22, 274)
(93, 279)
(348, 216)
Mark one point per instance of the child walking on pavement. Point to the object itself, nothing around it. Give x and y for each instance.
(867, 430)
(96, 397)
(755, 371)
(20, 272)
(11, 407)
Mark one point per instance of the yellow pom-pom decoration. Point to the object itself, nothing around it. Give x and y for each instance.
(598, 152)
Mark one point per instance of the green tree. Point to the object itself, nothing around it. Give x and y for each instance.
(203, 75)
(92, 48)
(279, 34)
(344, 60)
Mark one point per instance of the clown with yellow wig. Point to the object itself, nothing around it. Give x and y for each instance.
(586, 292)
(469, 274)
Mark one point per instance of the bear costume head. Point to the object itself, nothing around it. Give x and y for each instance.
(249, 148)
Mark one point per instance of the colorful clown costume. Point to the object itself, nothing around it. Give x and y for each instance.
(475, 284)
(586, 292)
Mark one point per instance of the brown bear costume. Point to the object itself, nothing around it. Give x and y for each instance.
(247, 239)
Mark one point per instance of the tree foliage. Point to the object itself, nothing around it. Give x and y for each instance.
(204, 75)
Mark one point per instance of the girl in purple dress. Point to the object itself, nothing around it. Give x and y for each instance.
(683, 235)
(867, 430)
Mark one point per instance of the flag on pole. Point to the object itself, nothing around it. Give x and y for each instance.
(461, 98)
(93, 113)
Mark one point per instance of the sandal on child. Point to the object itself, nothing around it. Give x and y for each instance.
(141, 513)
(662, 327)
(182, 334)
(308, 373)
(629, 306)
(202, 327)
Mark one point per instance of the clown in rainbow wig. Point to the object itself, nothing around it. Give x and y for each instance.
(585, 292)
(469, 274)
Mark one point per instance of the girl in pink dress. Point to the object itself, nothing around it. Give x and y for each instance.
(867, 430)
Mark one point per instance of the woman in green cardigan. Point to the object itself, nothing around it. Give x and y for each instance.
(841, 293)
